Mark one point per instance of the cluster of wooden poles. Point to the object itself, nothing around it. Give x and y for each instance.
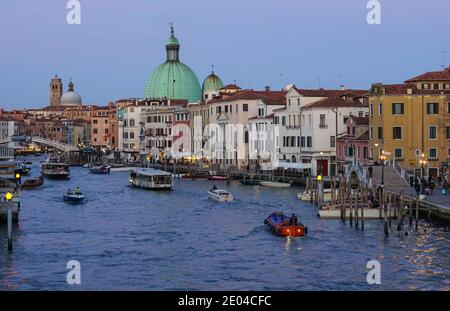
(353, 202)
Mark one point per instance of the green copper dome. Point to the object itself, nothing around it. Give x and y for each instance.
(212, 83)
(173, 79)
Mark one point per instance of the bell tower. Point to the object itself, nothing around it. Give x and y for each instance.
(56, 90)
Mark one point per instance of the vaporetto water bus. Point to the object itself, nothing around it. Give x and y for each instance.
(151, 179)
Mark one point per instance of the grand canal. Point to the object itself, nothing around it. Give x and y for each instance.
(131, 239)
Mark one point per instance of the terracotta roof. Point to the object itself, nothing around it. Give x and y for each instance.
(269, 97)
(401, 89)
(443, 75)
(327, 93)
(360, 120)
(231, 86)
(336, 100)
(363, 137)
(270, 116)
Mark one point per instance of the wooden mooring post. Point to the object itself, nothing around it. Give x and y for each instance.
(417, 214)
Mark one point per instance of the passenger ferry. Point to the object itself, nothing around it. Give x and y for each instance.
(151, 179)
(55, 170)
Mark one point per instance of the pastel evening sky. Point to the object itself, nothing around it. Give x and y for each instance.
(255, 42)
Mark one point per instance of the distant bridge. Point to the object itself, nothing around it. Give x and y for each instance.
(40, 140)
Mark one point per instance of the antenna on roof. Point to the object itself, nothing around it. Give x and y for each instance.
(444, 55)
(171, 28)
(212, 68)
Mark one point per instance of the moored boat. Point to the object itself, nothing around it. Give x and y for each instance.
(151, 179)
(104, 169)
(220, 195)
(196, 176)
(250, 182)
(217, 177)
(74, 196)
(33, 183)
(275, 184)
(307, 195)
(55, 170)
(283, 225)
(22, 168)
(334, 212)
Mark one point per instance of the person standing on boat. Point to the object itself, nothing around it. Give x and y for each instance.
(293, 220)
(214, 188)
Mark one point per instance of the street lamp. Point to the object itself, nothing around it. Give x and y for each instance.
(422, 163)
(382, 158)
(321, 163)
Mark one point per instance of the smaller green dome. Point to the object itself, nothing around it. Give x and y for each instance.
(212, 83)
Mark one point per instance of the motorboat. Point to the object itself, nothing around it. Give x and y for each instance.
(275, 184)
(33, 183)
(55, 170)
(281, 225)
(74, 196)
(150, 179)
(103, 169)
(220, 195)
(88, 165)
(22, 168)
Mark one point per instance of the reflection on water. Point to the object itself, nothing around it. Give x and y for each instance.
(128, 238)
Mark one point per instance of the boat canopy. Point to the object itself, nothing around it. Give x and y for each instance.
(150, 172)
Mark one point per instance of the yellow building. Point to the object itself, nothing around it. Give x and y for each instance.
(410, 122)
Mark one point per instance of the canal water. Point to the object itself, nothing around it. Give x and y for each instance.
(132, 239)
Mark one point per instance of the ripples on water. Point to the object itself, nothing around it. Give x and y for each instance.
(128, 238)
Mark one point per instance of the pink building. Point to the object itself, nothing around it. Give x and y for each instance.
(355, 142)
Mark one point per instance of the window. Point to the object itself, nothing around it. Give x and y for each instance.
(106, 121)
(131, 122)
(309, 141)
(332, 141)
(398, 153)
(276, 120)
(380, 109)
(302, 141)
(447, 86)
(322, 121)
(94, 121)
(226, 108)
(447, 132)
(366, 153)
(397, 108)
(432, 108)
(106, 131)
(432, 153)
(360, 114)
(283, 120)
(432, 132)
(448, 107)
(246, 137)
(95, 131)
(245, 107)
(448, 153)
(380, 133)
(371, 109)
(371, 132)
(435, 86)
(397, 132)
(425, 86)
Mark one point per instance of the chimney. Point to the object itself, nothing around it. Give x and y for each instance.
(267, 88)
(342, 87)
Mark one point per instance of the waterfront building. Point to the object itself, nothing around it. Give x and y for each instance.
(410, 122)
(104, 127)
(310, 122)
(353, 145)
(236, 110)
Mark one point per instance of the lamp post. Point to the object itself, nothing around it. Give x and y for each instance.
(422, 163)
(9, 197)
(321, 163)
(383, 158)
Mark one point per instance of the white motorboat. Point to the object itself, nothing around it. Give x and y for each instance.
(275, 184)
(220, 195)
